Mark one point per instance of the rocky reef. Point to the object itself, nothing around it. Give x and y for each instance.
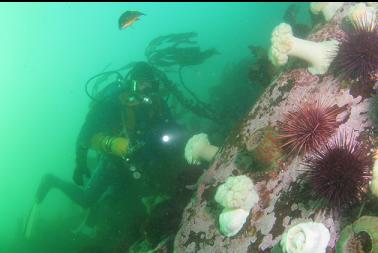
(254, 150)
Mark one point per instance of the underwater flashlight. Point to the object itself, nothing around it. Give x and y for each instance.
(147, 100)
(166, 138)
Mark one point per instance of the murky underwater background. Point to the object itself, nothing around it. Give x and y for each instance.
(47, 53)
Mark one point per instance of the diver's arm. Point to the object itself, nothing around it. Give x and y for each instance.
(83, 140)
(82, 147)
(95, 122)
(81, 168)
(95, 131)
(112, 145)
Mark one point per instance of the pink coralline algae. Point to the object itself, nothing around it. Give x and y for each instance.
(282, 201)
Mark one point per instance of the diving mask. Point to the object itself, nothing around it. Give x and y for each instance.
(142, 91)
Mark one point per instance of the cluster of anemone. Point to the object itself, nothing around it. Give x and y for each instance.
(357, 58)
(339, 172)
(238, 196)
(308, 127)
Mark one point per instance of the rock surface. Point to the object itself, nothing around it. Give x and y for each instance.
(276, 182)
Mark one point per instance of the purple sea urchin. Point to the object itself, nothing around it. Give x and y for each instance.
(373, 110)
(308, 127)
(357, 58)
(339, 172)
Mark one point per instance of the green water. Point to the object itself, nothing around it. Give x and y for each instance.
(49, 50)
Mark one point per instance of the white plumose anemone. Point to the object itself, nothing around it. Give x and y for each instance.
(232, 220)
(238, 196)
(372, 4)
(237, 192)
(328, 9)
(319, 55)
(199, 149)
(309, 237)
(362, 17)
(374, 180)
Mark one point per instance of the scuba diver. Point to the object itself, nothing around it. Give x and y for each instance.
(131, 128)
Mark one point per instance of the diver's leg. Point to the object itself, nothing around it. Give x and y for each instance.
(72, 191)
(85, 197)
(29, 223)
(44, 187)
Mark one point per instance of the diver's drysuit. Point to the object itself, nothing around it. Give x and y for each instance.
(152, 133)
(152, 166)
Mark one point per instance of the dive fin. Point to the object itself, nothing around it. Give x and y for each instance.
(84, 229)
(28, 228)
(82, 224)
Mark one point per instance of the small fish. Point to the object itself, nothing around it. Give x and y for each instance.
(128, 18)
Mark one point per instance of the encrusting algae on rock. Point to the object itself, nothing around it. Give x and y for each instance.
(282, 200)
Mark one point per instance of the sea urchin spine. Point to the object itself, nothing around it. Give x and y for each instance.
(357, 58)
(339, 172)
(308, 127)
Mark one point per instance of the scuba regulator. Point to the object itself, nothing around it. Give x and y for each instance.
(140, 84)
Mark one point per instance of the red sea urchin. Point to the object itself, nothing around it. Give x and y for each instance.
(357, 58)
(308, 127)
(339, 172)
